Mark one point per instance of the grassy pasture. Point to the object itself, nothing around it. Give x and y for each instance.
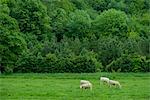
(65, 86)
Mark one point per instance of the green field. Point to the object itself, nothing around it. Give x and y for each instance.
(65, 86)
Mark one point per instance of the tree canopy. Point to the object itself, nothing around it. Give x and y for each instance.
(74, 35)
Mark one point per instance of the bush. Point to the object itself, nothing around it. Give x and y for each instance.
(146, 66)
(109, 49)
(51, 64)
(83, 64)
(26, 63)
(77, 64)
(129, 63)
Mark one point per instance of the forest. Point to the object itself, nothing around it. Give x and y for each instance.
(74, 36)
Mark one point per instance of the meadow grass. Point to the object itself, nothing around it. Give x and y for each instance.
(65, 86)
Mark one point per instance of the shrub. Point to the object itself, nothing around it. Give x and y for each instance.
(83, 64)
(109, 49)
(26, 63)
(75, 64)
(129, 63)
(146, 66)
(51, 64)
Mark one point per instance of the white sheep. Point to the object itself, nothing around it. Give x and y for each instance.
(115, 83)
(86, 86)
(104, 80)
(84, 82)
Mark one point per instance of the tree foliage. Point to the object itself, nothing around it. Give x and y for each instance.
(74, 36)
(31, 16)
(11, 42)
(111, 22)
(78, 24)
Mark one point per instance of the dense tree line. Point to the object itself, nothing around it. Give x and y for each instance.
(74, 36)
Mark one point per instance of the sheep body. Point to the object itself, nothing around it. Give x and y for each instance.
(104, 79)
(84, 82)
(115, 83)
(86, 86)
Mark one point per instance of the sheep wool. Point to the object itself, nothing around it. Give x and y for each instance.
(86, 86)
(115, 83)
(84, 82)
(104, 79)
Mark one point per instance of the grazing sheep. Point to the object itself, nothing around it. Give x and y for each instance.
(104, 80)
(115, 83)
(86, 86)
(84, 82)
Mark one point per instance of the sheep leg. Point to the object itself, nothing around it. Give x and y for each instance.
(110, 85)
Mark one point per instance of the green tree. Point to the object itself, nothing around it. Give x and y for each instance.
(109, 49)
(31, 16)
(59, 21)
(53, 5)
(58, 11)
(111, 22)
(4, 8)
(80, 4)
(136, 7)
(11, 42)
(144, 46)
(140, 25)
(78, 24)
(99, 5)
